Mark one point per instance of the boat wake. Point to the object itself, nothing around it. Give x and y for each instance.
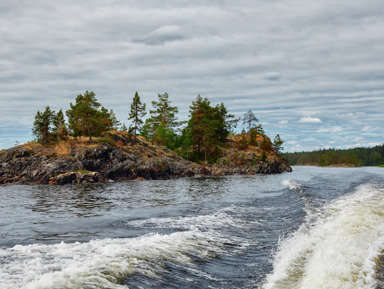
(340, 247)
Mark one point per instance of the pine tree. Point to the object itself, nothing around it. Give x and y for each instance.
(123, 127)
(207, 129)
(161, 125)
(137, 113)
(59, 127)
(108, 119)
(43, 124)
(278, 144)
(202, 126)
(250, 119)
(85, 118)
(266, 144)
(163, 112)
(225, 122)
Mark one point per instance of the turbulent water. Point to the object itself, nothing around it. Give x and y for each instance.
(312, 228)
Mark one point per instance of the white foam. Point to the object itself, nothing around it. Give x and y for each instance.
(213, 222)
(338, 250)
(291, 184)
(100, 263)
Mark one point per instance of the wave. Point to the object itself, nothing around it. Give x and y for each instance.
(102, 263)
(338, 248)
(291, 184)
(217, 221)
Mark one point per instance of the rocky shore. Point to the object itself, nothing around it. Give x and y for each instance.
(119, 157)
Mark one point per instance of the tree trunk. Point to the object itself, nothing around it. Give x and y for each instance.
(89, 134)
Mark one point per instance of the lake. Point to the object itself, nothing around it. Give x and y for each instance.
(312, 228)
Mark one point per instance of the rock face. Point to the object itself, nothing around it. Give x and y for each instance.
(249, 161)
(73, 162)
(120, 156)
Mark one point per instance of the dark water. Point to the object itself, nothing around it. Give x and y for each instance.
(313, 228)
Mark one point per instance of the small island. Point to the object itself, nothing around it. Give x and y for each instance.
(95, 147)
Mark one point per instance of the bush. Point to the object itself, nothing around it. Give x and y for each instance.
(106, 141)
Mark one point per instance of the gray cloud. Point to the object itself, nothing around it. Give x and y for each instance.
(286, 61)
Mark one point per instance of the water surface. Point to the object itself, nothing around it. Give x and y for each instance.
(312, 228)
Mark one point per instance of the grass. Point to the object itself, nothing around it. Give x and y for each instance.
(381, 166)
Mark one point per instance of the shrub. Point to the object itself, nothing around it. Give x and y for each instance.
(106, 141)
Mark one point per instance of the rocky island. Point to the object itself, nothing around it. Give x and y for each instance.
(89, 147)
(122, 156)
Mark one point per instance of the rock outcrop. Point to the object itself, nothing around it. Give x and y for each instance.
(127, 158)
(120, 156)
(249, 160)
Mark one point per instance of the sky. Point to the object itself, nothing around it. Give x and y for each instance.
(311, 71)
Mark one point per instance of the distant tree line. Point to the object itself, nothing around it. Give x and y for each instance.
(201, 137)
(327, 157)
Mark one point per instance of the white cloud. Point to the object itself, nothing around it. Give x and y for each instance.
(163, 34)
(333, 129)
(310, 120)
(283, 122)
(370, 129)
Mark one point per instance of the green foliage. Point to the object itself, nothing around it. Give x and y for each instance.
(163, 112)
(42, 126)
(49, 126)
(353, 157)
(109, 119)
(207, 129)
(263, 157)
(224, 121)
(243, 142)
(106, 140)
(82, 171)
(266, 144)
(160, 127)
(137, 113)
(165, 136)
(87, 117)
(123, 127)
(255, 161)
(278, 144)
(60, 130)
(254, 132)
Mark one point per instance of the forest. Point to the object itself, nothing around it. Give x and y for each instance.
(360, 156)
(201, 138)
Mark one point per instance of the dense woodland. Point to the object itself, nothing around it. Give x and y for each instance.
(347, 157)
(201, 138)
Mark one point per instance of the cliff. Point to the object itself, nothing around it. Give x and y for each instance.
(118, 156)
(248, 159)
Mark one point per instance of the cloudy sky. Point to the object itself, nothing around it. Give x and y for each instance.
(312, 71)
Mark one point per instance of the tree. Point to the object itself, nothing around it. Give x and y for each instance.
(250, 119)
(42, 125)
(202, 126)
(160, 126)
(60, 129)
(108, 119)
(278, 144)
(207, 129)
(137, 112)
(85, 118)
(163, 112)
(254, 132)
(225, 122)
(266, 144)
(123, 127)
